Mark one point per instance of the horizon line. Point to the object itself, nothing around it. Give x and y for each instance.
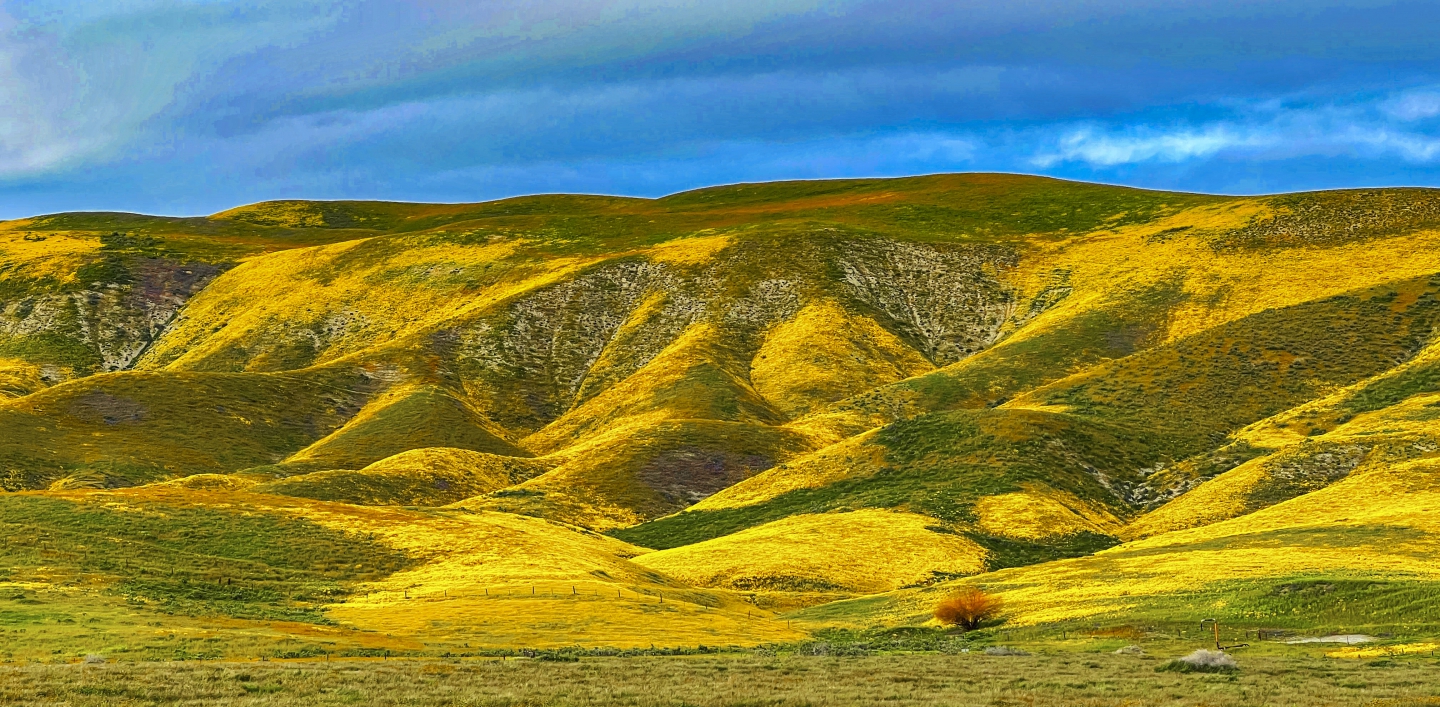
(1030, 175)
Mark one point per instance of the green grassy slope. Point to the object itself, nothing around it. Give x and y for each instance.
(399, 421)
(120, 429)
(1354, 556)
(90, 292)
(186, 557)
(1117, 328)
(637, 474)
(1149, 409)
(1203, 387)
(939, 465)
(432, 476)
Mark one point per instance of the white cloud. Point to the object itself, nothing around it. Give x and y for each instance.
(1414, 105)
(1374, 127)
(1088, 144)
(1412, 147)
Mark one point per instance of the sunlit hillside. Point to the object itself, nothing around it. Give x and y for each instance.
(1357, 555)
(726, 416)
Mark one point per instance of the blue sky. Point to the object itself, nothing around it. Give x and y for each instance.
(192, 106)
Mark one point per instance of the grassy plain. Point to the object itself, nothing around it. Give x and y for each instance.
(1068, 679)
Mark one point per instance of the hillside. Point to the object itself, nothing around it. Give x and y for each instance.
(722, 407)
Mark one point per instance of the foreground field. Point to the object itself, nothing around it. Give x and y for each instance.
(965, 679)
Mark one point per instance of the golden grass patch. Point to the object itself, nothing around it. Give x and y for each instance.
(211, 482)
(585, 614)
(647, 468)
(1410, 426)
(825, 354)
(331, 301)
(1217, 499)
(42, 255)
(867, 550)
(497, 579)
(856, 456)
(688, 251)
(1040, 512)
(1380, 523)
(431, 476)
(1227, 285)
(400, 419)
(1356, 652)
(693, 378)
(19, 378)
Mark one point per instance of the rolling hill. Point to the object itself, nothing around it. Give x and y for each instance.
(721, 416)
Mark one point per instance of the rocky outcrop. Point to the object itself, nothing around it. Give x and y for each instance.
(766, 303)
(554, 348)
(1315, 464)
(951, 302)
(560, 331)
(104, 326)
(1334, 218)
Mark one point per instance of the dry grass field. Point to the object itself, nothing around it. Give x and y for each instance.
(1040, 680)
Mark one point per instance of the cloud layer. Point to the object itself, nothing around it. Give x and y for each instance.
(191, 106)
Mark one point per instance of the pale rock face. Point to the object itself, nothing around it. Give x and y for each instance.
(953, 302)
(568, 342)
(662, 315)
(768, 302)
(1327, 466)
(562, 330)
(551, 338)
(117, 322)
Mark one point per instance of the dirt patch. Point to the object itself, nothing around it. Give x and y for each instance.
(688, 475)
(99, 407)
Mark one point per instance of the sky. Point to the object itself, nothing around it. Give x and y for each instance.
(189, 107)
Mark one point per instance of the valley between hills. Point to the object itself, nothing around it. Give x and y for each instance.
(728, 417)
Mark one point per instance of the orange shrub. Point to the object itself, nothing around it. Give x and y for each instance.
(968, 608)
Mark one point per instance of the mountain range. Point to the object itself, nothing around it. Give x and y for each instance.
(727, 416)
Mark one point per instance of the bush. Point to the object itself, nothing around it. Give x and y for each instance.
(968, 608)
(1201, 661)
